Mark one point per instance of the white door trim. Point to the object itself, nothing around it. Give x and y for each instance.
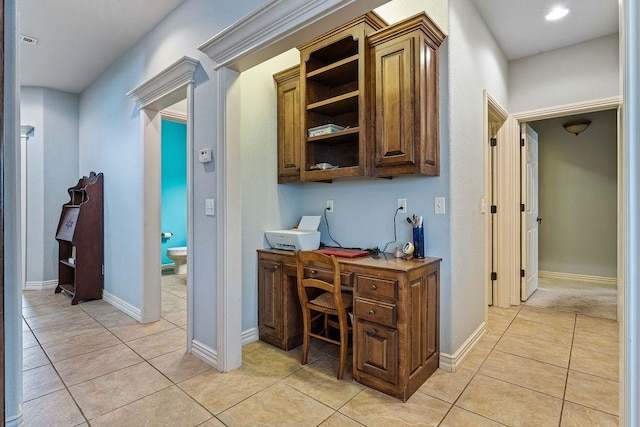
(171, 85)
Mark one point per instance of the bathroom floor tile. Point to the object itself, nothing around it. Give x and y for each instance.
(41, 310)
(509, 404)
(39, 382)
(55, 409)
(579, 416)
(318, 380)
(593, 392)
(169, 407)
(179, 365)
(445, 385)
(533, 348)
(92, 365)
(48, 296)
(80, 344)
(161, 343)
(108, 392)
(538, 376)
(594, 363)
(279, 405)
(373, 408)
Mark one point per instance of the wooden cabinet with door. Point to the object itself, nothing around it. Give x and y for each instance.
(289, 126)
(396, 315)
(405, 63)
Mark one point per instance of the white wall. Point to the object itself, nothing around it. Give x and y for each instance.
(475, 63)
(576, 73)
(110, 142)
(52, 167)
(578, 196)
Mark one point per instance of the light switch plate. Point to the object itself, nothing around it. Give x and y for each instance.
(439, 206)
(210, 207)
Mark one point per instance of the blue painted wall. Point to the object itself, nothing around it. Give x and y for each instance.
(174, 185)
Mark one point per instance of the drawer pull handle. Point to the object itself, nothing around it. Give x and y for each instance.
(373, 332)
(371, 312)
(374, 287)
(313, 272)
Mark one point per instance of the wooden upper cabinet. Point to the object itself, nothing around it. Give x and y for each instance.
(405, 72)
(335, 89)
(289, 129)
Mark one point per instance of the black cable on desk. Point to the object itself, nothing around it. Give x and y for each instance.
(395, 237)
(328, 231)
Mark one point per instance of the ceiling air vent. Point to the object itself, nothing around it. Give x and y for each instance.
(28, 39)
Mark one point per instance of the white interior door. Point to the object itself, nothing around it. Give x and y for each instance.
(530, 219)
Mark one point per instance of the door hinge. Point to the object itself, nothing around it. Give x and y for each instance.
(521, 207)
(103, 269)
(494, 275)
(522, 142)
(494, 209)
(522, 273)
(493, 142)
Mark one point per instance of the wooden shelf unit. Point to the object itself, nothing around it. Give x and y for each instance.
(80, 237)
(335, 89)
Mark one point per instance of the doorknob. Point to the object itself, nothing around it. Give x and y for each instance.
(539, 220)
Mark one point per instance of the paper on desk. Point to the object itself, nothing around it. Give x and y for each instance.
(309, 223)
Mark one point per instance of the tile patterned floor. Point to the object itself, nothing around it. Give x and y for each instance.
(105, 369)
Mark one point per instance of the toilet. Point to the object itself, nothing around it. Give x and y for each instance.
(179, 257)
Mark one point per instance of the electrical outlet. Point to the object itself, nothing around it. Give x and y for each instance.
(329, 206)
(439, 206)
(402, 205)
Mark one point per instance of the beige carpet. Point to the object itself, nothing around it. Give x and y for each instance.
(587, 298)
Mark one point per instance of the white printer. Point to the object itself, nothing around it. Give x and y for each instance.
(304, 238)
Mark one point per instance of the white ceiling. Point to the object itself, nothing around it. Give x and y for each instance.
(79, 39)
(520, 29)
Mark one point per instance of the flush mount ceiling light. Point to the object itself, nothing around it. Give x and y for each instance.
(577, 126)
(556, 13)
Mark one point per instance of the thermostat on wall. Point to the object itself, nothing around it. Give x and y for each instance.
(205, 155)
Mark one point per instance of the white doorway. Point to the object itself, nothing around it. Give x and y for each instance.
(530, 220)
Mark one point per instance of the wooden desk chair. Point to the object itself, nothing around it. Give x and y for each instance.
(330, 302)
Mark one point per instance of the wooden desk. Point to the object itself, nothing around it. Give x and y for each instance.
(396, 315)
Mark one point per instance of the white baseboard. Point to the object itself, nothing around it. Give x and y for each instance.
(578, 277)
(205, 353)
(451, 362)
(249, 336)
(15, 420)
(122, 306)
(40, 286)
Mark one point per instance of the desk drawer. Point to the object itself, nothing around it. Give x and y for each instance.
(374, 287)
(346, 279)
(376, 312)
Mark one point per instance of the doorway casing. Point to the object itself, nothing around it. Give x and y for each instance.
(172, 85)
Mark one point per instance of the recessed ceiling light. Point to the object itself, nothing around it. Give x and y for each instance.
(556, 13)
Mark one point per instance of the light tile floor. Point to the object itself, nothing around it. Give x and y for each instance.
(92, 365)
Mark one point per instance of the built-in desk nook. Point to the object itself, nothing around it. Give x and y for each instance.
(396, 315)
